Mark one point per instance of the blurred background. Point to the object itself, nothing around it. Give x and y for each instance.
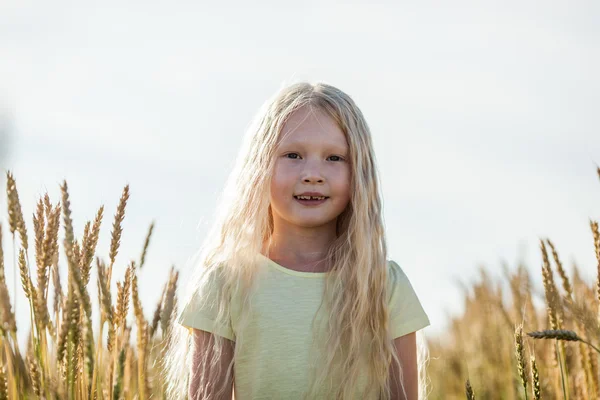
(484, 117)
(5, 135)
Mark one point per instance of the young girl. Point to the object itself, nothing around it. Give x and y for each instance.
(293, 296)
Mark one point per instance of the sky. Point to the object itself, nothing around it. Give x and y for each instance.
(483, 115)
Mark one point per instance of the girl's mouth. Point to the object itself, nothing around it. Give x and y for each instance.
(312, 201)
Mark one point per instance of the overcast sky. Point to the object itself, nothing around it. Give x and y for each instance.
(484, 118)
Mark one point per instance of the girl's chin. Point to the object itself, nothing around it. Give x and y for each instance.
(312, 219)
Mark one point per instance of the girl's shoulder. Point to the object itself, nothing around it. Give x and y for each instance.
(395, 272)
(406, 312)
(398, 282)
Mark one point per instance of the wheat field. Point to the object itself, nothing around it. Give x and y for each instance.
(65, 358)
(496, 349)
(500, 349)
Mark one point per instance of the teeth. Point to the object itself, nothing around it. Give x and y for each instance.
(311, 197)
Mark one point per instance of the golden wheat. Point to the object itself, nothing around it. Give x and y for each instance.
(560, 334)
(7, 317)
(117, 230)
(15, 214)
(482, 343)
(476, 343)
(469, 391)
(3, 384)
(520, 354)
(146, 243)
(535, 379)
(68, 366)
(559, 267)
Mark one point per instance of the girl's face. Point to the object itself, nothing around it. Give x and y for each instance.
(312, 156)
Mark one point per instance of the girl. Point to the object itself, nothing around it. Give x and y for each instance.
(294, 297)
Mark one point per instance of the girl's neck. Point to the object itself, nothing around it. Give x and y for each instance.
(300, 252)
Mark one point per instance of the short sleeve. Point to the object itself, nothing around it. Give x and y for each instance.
(200, 311)
(406, 313)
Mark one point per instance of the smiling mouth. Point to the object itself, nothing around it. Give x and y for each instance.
(311, 198)
(309, 202)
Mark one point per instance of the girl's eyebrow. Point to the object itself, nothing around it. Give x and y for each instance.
(328, 146)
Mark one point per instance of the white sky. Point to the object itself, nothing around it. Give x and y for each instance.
(484, 118)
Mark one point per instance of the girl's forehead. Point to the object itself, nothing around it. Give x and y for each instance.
(315, 139)
(312, 127)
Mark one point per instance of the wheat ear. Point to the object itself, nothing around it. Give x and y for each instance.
(535, 379)
(561, 271)
(146, 243)
(560, 334)
(117, 230)
(469, 391)
(7, 317)
(521, 367)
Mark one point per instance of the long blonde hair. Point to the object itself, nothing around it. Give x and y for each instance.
(358, 341)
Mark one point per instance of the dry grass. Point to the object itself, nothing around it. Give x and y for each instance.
(64, 358)
(562, 340)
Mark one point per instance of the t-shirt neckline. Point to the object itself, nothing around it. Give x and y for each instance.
(293, 272)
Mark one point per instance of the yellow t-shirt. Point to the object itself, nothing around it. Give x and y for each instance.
(278, 336)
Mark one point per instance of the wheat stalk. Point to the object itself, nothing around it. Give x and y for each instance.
(90, 243)
(142, 338)
(168, 305)
(560, 334)
(64, 329)
(7, 317)
(117, 230)
(469, 391)
(35, 375)
(596, 234)
(63, 374)
(3, 384)
(106, 303)
(38, 229)
(552, 298)
(535, 379)
(127, 372)
(146, 243)
(15, 214)
(123, 293)
(586, 368)
(78, 290)
(120, 374)
(554, 308)
(583, 315)
(45, 259)
(157, 312)
(521, 367)
(72, 256)
(565, 279)
(593, 368)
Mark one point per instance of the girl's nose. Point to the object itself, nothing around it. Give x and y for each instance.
(312, 179)
(312, 173)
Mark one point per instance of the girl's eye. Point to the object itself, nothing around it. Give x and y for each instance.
(296, 154)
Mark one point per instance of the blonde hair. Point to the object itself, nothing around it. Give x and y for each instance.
(357, 336)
